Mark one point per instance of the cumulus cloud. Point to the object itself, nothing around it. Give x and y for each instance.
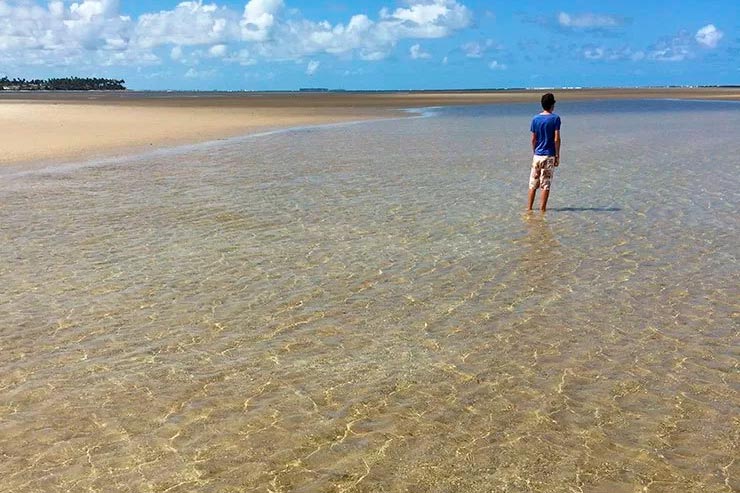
(259, 18)
(588, 21)
(476, 49)
(176, 53)
(677, 48)
(88, 32)
(472, 49)
(362, 36)
(417, 53)
(603, 53)
(433, 19)
(95, 30)
(90, 25)
(496, 65)
(709, 36)
(243, 57)
(190, 23)
(312, 67)
(192, 73)
(217, 51)
(594, 53)
(674, 49)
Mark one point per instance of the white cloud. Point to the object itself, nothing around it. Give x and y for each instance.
(86, 32)
(217, 51)
(90, 25)
(709, 36)
(495, 65)
(368, 39)
(312, 67)
(259, 18)
(243, 57)
(668, 55)
(433, 18)
(591, 52)
(473, 49)
(129, 58)
(176, 53)
(416, 52)
(89, 33)
(588, 21)
(476, 49)
(88, 9)
(190, 23)
(675, 49)
(200, 74)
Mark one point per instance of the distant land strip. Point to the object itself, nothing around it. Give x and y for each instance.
(318, 97)
(62, 84)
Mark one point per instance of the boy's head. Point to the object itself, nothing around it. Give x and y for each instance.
(548, 101)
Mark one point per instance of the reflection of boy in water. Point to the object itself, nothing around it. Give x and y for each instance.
(545, 130)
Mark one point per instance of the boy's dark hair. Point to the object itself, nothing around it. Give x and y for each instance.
(548, 101)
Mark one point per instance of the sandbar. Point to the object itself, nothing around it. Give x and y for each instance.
(57, 127)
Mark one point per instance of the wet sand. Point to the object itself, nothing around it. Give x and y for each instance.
(45, 132)
(59, 127)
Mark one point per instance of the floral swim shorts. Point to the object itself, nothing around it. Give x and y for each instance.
(543, 168)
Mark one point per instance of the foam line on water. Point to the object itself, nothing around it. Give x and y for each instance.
(424, 112)
(696, 100)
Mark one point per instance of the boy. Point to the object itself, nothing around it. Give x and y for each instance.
(545, 130)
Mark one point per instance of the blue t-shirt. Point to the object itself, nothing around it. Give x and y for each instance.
(544, 127)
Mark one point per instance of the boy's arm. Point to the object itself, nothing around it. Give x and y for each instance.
(534, 142)
(557, 147)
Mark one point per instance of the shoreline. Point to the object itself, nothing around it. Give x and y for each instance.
(52, 128)
(143, 153)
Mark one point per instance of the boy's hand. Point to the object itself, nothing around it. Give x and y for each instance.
(557, 161)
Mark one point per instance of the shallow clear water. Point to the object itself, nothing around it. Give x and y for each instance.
(367, 308)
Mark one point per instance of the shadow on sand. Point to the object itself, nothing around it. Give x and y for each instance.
(584, 209)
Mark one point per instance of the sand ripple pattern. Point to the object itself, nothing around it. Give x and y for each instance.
(367, 309)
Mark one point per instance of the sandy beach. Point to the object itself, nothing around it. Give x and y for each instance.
(60, 127)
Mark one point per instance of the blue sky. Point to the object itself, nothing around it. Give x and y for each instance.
(376, 44)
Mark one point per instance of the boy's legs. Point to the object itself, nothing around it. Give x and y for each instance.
(545, 181)
(530, 200)
(534, 180)
(545, 196)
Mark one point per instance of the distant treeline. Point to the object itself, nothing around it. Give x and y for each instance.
(62, 84)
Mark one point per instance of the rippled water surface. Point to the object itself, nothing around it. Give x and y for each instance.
(367, 308)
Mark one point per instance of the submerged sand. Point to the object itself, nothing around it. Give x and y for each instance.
(58, 127)
(367, 309)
